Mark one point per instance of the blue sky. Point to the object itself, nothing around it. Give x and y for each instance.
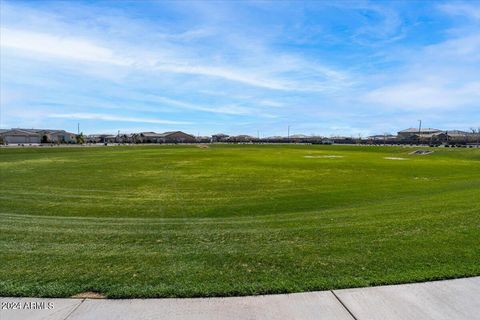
(325, 68)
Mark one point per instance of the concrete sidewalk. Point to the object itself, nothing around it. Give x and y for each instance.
(451, 299)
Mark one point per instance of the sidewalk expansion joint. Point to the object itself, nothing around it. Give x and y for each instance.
(344, 306)
(74, 309)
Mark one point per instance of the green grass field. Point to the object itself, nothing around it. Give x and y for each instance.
(183, 221)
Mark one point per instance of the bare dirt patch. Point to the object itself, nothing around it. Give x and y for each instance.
(423, 178)
(394, 158)
(203, 146)
(421, 152)
(89, 295)
(328, 156)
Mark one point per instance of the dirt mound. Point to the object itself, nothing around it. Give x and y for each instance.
(89, 295)
(394, 158)
(329, 156)
(421, 152)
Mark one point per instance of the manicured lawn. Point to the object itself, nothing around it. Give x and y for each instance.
(183, 221)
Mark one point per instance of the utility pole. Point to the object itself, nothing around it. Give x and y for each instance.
(288, 134)
(419, 130)
(78, 128)
(478, 137)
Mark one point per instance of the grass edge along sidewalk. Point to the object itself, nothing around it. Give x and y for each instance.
(450, 299)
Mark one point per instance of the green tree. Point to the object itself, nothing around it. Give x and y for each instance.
(80, 138)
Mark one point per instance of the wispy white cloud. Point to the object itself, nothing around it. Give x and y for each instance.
(64, 47)
(271, 103)
(423, 95)
(246, 77)
(465, 9)
(86, 50)
(439, 76)
(109, 117)
(221, 109)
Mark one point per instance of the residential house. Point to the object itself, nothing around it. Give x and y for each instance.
(453, 136)
(20, 136)
(241, 138)
(150, 137)
(382, 138)
(417, 133)
(101, 138)
(57, 136)
(178, 137)
(219, 137)
(203, 139)
(167, 137)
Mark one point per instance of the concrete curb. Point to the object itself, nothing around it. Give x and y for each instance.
(449, 299)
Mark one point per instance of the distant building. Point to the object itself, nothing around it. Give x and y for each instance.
(167, 137)
(35, 136)
(20, 136)
(57, 136)
(101, 138)
(275, 138)
(149, 137)
(298, 138)
(219, 137)
(203, 139)
(452, 136)
(242, 138)
(382, 138)
(178, 137)
(126, 138)
(416, 133)
(343, 140)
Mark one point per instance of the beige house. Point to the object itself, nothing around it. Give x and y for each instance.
(57, 136)
(167, 137)
(29, 136)
(178, 137)
(415, 133)
(20, 136)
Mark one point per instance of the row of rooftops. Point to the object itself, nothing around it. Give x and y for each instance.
(431, 132)
(34, 132)
(410, 132)
(149, 134)
(421, 130)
